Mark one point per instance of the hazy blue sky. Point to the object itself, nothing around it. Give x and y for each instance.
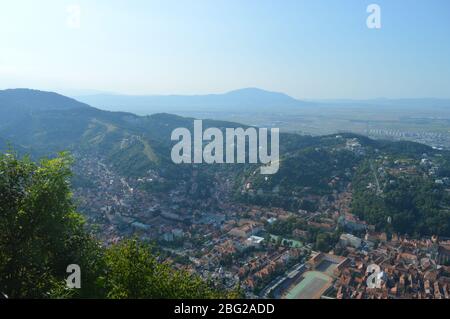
(308, 49)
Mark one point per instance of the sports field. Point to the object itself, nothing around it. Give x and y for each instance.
(312, 285)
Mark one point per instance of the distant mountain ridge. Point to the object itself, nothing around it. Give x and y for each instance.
(250, 99)
(246, 100)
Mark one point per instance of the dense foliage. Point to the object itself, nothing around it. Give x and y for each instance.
(311, 170)
(409, 204)
(133, 272)
(321, 240)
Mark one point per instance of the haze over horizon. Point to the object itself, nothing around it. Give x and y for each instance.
(306, 49)
(76, 93)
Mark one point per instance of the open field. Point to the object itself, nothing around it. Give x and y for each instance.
(312, 285)
(428, 125)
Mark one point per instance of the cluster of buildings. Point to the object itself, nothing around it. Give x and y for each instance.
(405, 268)
(399, 268)
(232, 243)
(227, 243)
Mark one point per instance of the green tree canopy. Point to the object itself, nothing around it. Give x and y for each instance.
(40, 232)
